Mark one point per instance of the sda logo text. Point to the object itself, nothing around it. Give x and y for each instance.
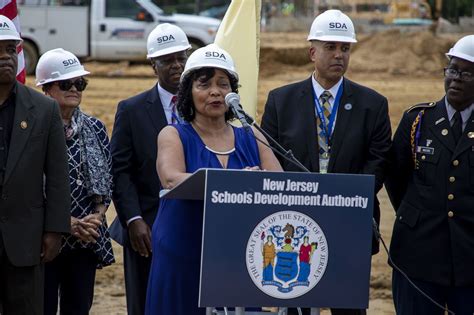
(215, 54)
(165, 39)
(70, 62)
(337, 25)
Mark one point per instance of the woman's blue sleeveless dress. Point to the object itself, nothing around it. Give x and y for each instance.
(173, 284)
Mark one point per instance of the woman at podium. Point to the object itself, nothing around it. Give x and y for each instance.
(204, 140)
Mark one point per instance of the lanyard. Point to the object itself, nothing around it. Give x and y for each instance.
(328, 126)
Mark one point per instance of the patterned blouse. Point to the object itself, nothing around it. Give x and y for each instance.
(82, 204)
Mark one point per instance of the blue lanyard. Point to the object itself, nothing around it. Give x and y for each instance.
(327, 127)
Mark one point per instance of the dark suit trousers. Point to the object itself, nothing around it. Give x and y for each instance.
(409, 301)
(137, 269)
(21, 288)
(71, 275)
(334, 311)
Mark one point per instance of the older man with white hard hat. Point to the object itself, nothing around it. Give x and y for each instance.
(331, 124)
(138, 121)
(431, 187)
(34, 184)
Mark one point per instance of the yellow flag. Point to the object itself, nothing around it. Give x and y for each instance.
(239, 35)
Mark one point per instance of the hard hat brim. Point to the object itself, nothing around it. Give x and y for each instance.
(188, 71)
(332, 38)
(11, 37)
(459, 55)
(67, 76)
(168, 51)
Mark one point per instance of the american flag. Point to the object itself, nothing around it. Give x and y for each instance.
(8, 9)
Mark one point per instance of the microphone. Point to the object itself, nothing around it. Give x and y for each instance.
(233, 101)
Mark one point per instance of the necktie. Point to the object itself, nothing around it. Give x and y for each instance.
(457, 126)
(324, 128)
(173, 109)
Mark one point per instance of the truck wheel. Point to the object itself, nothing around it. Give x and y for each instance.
(31, 57)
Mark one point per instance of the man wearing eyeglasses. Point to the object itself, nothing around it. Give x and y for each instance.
(138, 121)
(34, 184)
(431, 187)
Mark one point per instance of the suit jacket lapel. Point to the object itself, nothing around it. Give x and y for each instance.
(23, 123)
(306, 110)
(342, 122)
(466, 141)
(155, 109)
(438, 129)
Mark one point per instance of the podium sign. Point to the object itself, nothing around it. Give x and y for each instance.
(283, 239)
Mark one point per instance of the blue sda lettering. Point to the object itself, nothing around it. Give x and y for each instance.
(337, 25)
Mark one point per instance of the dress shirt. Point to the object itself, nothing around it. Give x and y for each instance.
(465, 114)
(165, 97)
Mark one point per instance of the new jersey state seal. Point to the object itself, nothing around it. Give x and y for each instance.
(287, 254)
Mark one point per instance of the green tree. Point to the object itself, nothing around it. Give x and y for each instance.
(452, 10)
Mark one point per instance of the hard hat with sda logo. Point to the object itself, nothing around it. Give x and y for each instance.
(332, 26)
(463, 49)
(166, 39)
(8, 30)
(56, 65)
(210, 56)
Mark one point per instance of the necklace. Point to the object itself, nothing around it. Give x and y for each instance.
(228, 152)
(221, 152)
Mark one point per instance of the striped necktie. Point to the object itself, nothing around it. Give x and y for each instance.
(322, 137)
(173, 109)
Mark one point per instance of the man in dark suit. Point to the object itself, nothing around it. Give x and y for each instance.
(330, 123)
(34, 184)
(431, 187)
(138, 121)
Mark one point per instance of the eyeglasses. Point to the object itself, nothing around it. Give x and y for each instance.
(66, 85)
(451, 73)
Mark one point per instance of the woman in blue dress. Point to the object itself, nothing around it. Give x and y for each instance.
(204, 140)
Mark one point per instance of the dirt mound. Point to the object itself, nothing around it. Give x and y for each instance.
(277, 60)
(391, 52)
(401, 53)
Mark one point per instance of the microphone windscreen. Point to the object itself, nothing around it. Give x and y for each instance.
(232, 98)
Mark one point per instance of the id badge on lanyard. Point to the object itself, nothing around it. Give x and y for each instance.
(323, 164)
(327, 128)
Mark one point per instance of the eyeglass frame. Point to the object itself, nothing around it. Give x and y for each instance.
(66, 85)
(456, 74)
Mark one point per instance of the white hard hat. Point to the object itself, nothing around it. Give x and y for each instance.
(332, 26)
(56, 65)
(166, 39)
(8, 30)
(210, 56)
(464, 49)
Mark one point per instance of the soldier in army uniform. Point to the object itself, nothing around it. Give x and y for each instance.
(432, 190)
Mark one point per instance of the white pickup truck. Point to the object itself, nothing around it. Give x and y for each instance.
(101, 29)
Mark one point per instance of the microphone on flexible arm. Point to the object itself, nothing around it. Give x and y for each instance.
(233, 101)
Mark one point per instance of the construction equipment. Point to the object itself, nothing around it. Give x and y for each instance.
(409, 12)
